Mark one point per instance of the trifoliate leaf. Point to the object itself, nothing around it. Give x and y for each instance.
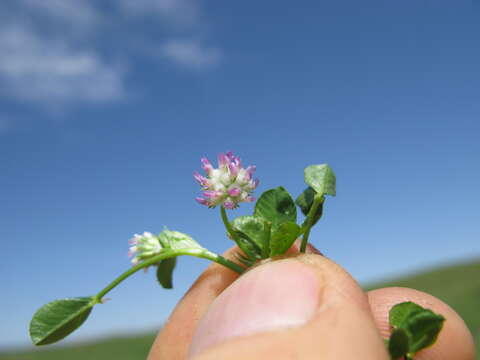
(253, 228)
(321, 178)
(305, 202)
(400, 312)
(248, 246)
(424, 328)
(276, 206)
(165, 272)
(421, 325)
(283, 238)
(59, 318)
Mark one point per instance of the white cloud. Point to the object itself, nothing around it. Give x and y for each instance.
(40, 69)
(73, 12)
(191, 54)
(54, 52)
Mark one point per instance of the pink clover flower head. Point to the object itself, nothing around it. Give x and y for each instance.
(143, 247)
(228, 185)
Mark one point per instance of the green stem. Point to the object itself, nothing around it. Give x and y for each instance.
(200, 253)
(268, 234)
(317, 200)
(224, 261)
(228, 226)
(223, 213)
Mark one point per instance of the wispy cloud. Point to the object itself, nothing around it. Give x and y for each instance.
(44, 70)
(55, 51)
(74, 13)
(45, 58)
(191, 54)
(182, 16)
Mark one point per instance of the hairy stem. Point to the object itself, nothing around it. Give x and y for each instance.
(200, 253)
(227, 224)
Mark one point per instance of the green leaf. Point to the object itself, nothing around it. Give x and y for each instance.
(252, 227)
(398, 345)
(283, 238)
(305, 202)
(165, 271)
(422, 325)
(57, 319)
(175, 240)
(400, 312)
(276, 206)
(321, 178)
(249, 248)
(424, 328)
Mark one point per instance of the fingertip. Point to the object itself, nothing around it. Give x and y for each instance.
(339, 326)
(455, 340)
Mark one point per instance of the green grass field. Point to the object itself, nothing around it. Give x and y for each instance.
(458, 285)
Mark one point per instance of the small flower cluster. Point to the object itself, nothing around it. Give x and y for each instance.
(143, 247)
(228, 185)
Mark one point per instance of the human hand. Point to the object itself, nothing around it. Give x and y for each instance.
(302, 307)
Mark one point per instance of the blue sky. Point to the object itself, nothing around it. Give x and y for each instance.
(106, 108)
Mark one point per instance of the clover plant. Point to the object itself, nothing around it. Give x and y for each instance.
(270, 231)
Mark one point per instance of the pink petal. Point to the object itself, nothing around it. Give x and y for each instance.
(233, 169)
(212, 194)
(206, 165)
(229, 205)
(234, 159)
(222, 160)
(202, 180)
(234, 192)
(254, 184)
(250, 171)
(202, 201)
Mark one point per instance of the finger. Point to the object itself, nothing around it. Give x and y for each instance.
(175, 337)
(454, 341)
(304, 307)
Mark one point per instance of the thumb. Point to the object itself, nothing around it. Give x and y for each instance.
(304, 307)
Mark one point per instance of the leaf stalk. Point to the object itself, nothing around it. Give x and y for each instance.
(317, 201)
(200, 253)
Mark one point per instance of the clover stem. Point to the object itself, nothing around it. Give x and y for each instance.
(223, 213)
(200, 253)
(317, 200)
(268, 234)
(227, 224)
(224, 261)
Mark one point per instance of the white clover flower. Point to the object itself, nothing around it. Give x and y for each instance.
(228, 185)
(143, 247)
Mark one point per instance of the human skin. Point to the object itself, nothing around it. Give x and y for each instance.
(303, 306)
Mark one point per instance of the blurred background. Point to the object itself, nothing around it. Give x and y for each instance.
(107, 106)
